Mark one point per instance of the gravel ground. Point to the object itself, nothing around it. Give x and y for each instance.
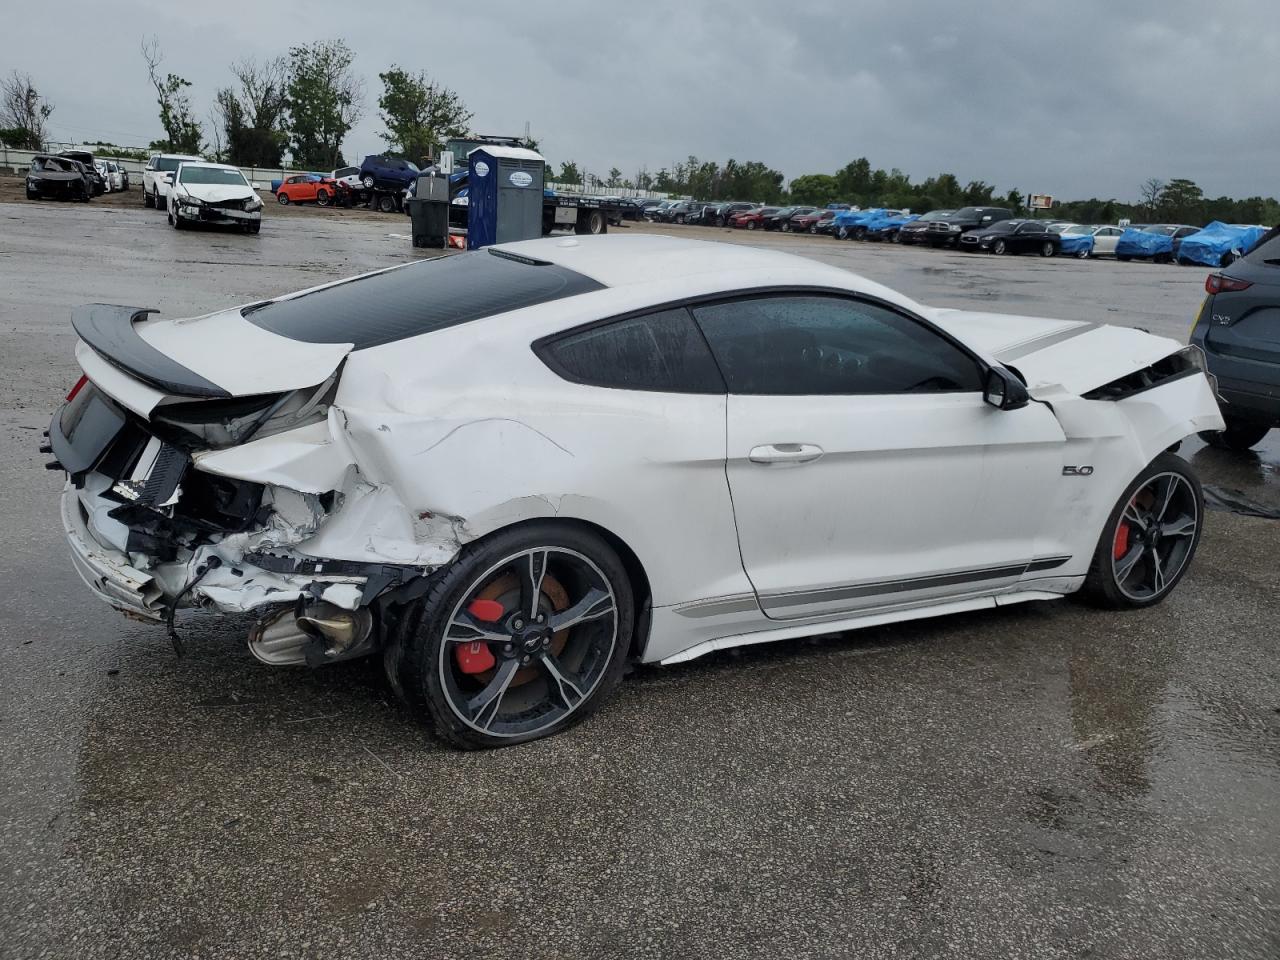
(1040, 781)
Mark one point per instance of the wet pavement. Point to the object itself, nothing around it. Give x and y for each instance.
(1041, 781)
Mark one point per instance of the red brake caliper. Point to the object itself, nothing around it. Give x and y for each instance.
(1122, 541)
(476, 657)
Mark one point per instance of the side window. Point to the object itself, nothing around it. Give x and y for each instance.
(798, 345)
(1028, 228)
(661, 351)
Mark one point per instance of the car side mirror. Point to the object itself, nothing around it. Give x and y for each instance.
(1004, 391)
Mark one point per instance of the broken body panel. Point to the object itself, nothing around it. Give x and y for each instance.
(332, 474)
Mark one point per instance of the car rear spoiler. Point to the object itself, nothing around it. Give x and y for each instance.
(108, 329)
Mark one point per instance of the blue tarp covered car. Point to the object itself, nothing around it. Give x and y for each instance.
(1077, 241)
(1218, 244)
(886, 225)
(1143, 243)
(852, 223)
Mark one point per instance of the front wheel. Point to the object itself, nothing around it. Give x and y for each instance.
(525, 634)
(282, 199)
(1047, 249)
(322, 198)
(1239, 435)
(999, 247)
(751, 224)
(1149, 539)
(387, 203)
(1083, 253)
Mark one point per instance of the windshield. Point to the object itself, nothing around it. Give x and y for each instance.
(1161, 228)
(767, 211)
(213, 175)
(967, 213)
(936, 215)
(1004, 226)
(167, 163)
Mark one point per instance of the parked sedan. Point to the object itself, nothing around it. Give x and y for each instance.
(812, 221)
(1075, 239)
(57, 178)
(213, 193)
(705, 459)
(781, 219)
(1237, 330)
(307, 188)
(1012, 236)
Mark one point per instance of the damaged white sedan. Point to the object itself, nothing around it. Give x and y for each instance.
(510, 471)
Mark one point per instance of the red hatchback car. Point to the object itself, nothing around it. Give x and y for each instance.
(307, 188)
(751, 219)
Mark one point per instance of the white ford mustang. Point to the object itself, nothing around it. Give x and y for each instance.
(509, 471)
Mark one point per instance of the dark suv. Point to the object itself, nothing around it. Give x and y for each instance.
(387, 173)
(1239, 331)
(946, 231)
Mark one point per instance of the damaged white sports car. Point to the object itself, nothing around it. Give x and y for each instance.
(509, 471)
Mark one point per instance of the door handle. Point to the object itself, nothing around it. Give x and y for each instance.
(785, 453)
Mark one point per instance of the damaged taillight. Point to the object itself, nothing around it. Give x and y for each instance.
(84, 378)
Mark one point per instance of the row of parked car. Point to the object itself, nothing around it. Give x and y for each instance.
(975, 229)
(73, 175)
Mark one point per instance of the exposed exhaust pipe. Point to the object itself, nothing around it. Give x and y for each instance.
(315, 634)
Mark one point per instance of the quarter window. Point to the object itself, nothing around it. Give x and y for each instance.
(660, 352)
(798, 345)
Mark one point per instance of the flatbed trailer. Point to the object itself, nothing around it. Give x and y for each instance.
(581, 214)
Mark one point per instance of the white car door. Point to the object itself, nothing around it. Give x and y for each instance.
(865, 469)
(1104, 241)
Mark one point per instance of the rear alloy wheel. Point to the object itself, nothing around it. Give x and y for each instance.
(1239, 435)
(282, 199)
(1083, 253)
(1150, 537)
(751, 224)
(1047, 249)
(999, 247)
(859, 233)
(322, 198)
(368, 182)
(523, 636)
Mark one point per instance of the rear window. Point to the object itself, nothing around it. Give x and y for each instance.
(419, 298)
(1267, 250)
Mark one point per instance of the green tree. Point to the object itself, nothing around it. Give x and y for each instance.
(615, 177)
(1181, 201)
(253, 114)
(326, 99)
(182, 131)
(23, 113)
(569, 173)
(814, 189)
(420, 114)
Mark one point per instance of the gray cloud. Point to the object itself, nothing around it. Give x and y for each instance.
(1074, 99)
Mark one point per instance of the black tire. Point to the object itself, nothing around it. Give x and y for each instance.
(425, 664)
(32, 195)
(1239, 435)
(1083, 253)
(751, 224)
(1160, 515)
(254, 227)
(897, 237)
(1047, 249)
(813, 229)
(368, 182)
(680, 218)
(177, 222)
(282, 199)
(999, 247)
(590, 223)
(148, 200)
(387, 203)
(322, 198)
(1227, 260)
(859, 233)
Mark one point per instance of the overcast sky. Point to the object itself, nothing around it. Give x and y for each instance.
(1075, 99)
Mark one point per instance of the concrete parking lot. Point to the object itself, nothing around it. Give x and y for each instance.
(1045, 780)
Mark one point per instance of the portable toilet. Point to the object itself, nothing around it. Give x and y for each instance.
(504, 199)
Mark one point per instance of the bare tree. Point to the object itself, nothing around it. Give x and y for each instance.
(176, 113)
(1150, 191)
(253, 115)
(23, 110)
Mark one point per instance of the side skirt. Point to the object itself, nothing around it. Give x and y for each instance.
(988, 602)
